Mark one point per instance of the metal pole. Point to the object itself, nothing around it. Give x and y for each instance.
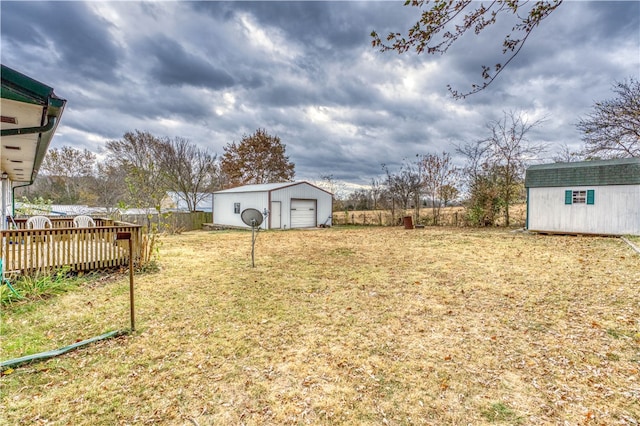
(133, 315)
(127, 236)
(253, 244)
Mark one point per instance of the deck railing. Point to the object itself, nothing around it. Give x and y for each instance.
(80, 249)
(60, 222)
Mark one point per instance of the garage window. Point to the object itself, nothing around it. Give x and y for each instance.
(236, 208)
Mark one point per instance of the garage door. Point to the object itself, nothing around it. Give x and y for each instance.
(303, 213)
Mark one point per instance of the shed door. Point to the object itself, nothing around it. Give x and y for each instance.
(275, 214)
(303, 213)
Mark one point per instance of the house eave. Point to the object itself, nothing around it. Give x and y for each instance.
(22, 95)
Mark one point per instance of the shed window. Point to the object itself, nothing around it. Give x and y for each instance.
(579, 197)
(236, 208)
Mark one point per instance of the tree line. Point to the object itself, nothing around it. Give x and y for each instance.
(491, 180)
(493, 177)
(139, 170)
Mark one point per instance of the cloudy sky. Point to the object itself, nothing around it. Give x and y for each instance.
(212, 72)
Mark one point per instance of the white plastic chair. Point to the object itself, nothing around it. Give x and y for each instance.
(38, 222)
(83, 222)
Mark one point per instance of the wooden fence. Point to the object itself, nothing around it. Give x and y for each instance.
(25, 251)
(172, 222)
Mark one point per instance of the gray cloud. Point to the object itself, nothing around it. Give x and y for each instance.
(66, 33)
(173, 65)
(306, 72)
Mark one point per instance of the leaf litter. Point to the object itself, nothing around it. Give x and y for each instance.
(347, 326)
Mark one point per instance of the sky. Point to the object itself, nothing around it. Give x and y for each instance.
(213, 72)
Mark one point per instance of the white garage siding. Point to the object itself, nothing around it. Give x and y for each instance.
(304, 191)
(225, 213)
(303, 213)
(301, 205)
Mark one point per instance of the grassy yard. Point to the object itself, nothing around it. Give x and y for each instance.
(361, 326)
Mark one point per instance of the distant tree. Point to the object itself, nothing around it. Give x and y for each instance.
(496, 165)
(337, 188)
(108, 185)
(443, 22)
(509, 153)
(403, 186)
(190, 171)
(612, 129)
(439, 173)
(34, 206)
(449, 193)
(567, 155)
(360, 199)
(377, 192)
(65, 172)
(258, 158)
(139, 155)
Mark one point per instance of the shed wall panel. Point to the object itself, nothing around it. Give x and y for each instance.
(616, 210)
(223, 207)
(324, 205)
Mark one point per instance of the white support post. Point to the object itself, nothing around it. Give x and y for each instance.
(5, 188)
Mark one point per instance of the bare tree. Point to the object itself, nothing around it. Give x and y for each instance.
(496, 165)
(612, 129)
(402, 186)
(190, 171)
(377, 192)
(139, 155)
(510, 151)
(67, 170)
(443, 22)
(439, 173)
(567, 155)
(109, 185)
(335, 187)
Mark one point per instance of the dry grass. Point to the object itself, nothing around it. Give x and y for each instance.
(345, 326)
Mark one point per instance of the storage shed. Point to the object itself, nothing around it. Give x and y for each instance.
(587, 197)
(285, 205)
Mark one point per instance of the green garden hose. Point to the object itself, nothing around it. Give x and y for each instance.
(50, 354)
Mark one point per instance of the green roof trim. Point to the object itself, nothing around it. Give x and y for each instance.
(623, 171)
(19, 87)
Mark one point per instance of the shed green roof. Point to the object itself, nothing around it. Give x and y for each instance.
(623, 171)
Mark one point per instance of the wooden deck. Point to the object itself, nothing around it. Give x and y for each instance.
(80, 249)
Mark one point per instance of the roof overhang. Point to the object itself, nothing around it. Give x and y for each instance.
(30, 115)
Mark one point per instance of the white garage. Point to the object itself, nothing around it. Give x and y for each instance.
(283, 205)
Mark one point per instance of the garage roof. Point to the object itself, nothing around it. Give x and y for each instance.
(622, 171)
(265, 187)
